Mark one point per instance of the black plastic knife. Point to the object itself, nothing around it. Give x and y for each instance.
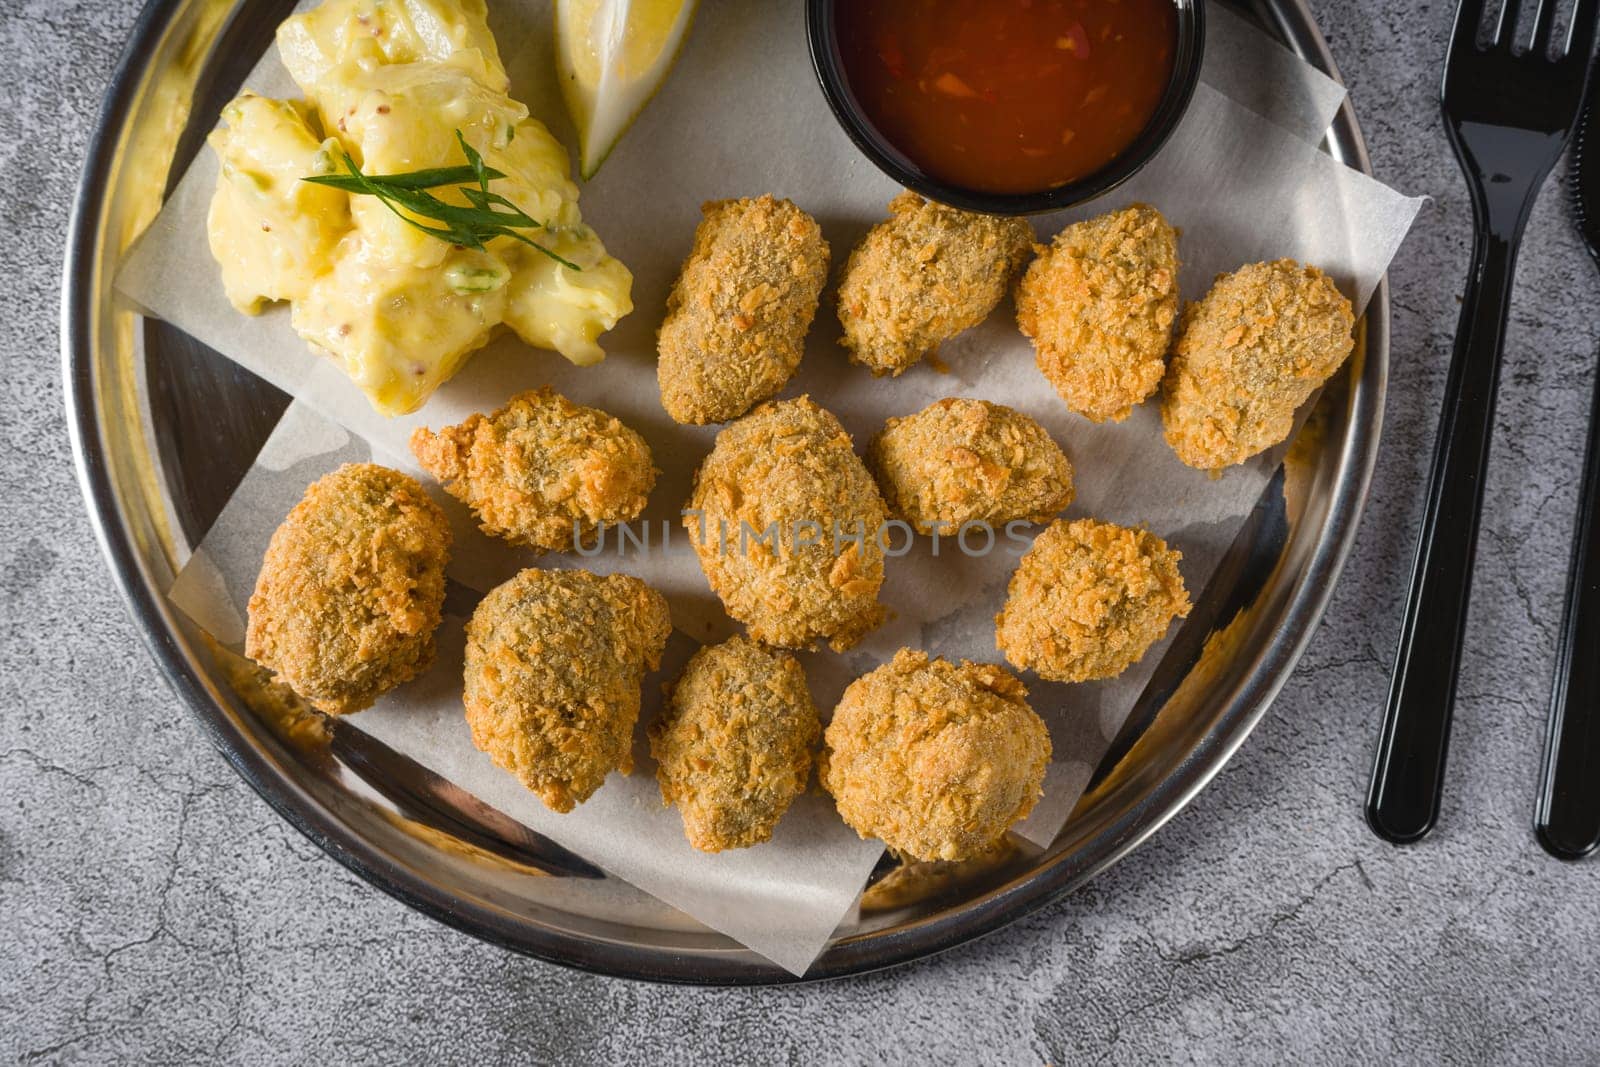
(1567, 821)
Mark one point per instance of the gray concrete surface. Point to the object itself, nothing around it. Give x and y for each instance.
(152, 909)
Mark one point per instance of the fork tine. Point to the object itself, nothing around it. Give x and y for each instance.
(1544, 24)
(1580, 35)
(1505, 30)
(1469, 16)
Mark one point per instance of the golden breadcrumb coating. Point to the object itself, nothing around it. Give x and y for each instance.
(937, 760)
(922, 276)
(554, 663)
(1088, 600)
(787, 523)
(958, 461)
(737, 316)
(733, 744)
(917, 881)
(1099, 304)
(542, 471)
(1248, 355)
(351, 588)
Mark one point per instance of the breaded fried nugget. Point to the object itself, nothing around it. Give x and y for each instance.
(351, 588)
(733, 745)
(737, 316)
(785, 520)
(937, 760)
(1248, 355)
(922, 276)
(958, 461)
(1099, 304)
(553, 668)
(1088, 600)
(542, 471)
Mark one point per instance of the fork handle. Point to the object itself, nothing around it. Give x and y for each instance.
(1567, 820)
(1403, 801)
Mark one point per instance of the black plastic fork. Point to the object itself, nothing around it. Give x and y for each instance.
(1508, 112)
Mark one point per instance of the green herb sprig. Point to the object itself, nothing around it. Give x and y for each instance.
(466, 227)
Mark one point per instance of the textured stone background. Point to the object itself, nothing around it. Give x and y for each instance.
(153, 909)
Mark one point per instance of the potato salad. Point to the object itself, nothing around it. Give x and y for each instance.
(397, 87)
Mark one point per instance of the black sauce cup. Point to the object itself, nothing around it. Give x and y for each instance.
(822, 34)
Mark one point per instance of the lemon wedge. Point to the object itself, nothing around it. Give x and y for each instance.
(612, 56)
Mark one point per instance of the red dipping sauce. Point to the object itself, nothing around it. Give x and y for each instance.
(1008, 96)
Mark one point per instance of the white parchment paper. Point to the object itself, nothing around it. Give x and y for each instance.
(742, 115)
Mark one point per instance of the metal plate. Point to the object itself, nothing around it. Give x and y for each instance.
(163, 429)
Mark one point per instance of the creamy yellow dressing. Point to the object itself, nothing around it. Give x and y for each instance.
(390, 82)
(271, 232)
(379, 32)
